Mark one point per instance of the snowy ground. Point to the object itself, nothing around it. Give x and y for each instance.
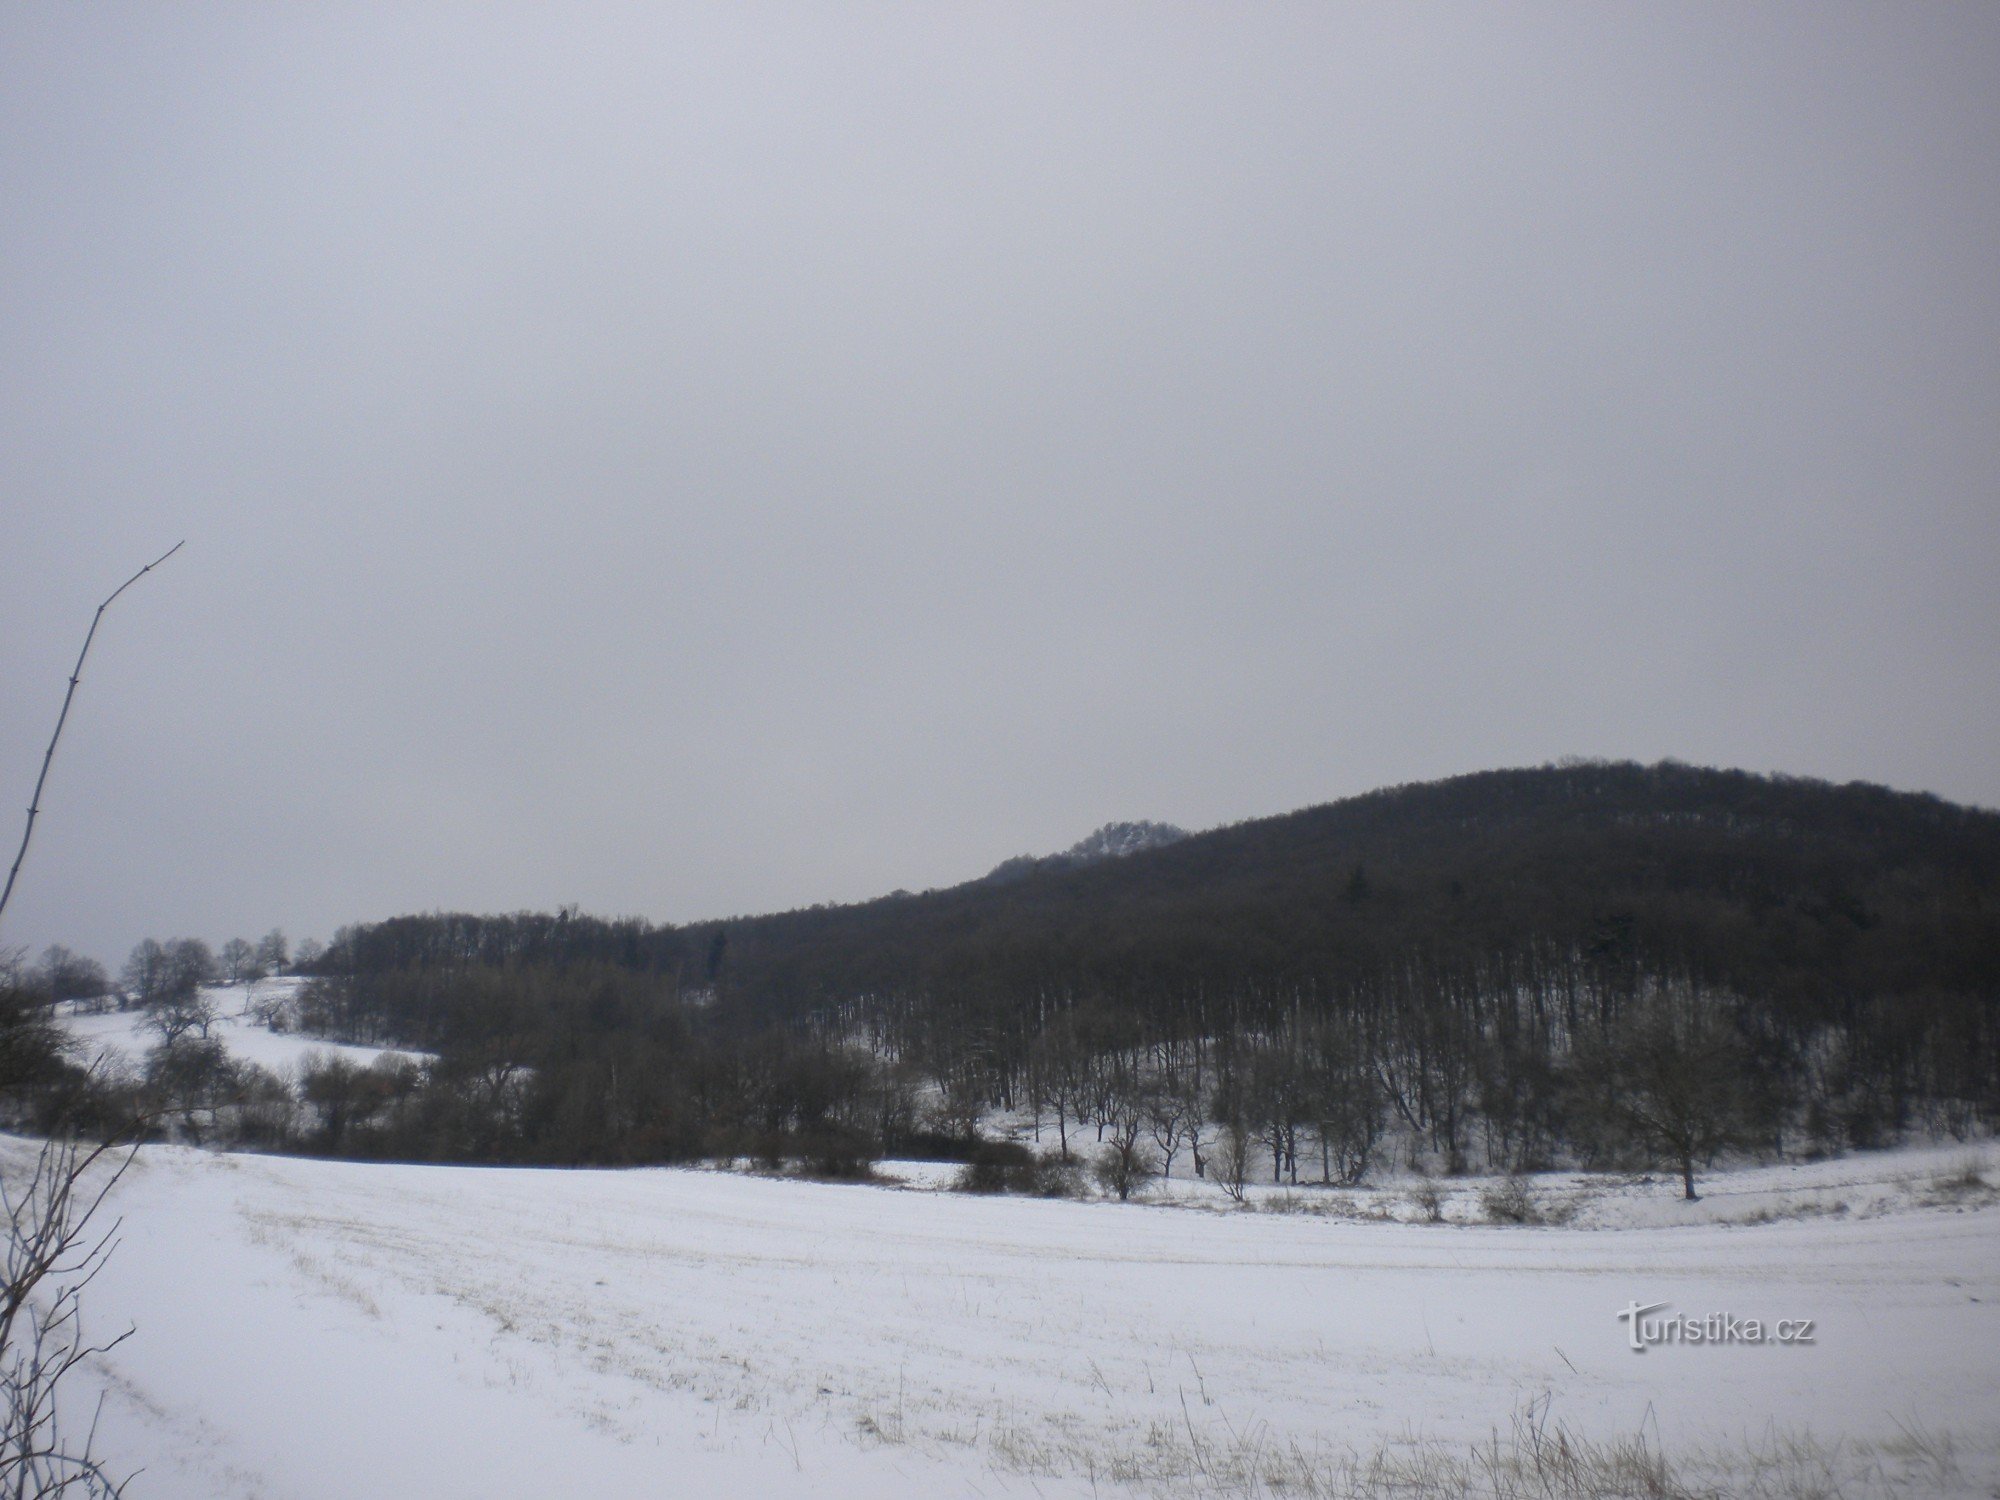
(1863, 1185)
(122, 1035)
(330, 1329)
(311, 1328)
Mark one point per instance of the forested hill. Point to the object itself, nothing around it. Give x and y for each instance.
(1456, 942)
(1735, 872)
(1780, 885)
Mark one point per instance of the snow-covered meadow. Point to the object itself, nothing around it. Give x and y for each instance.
(313, 1328)
(123, 1037)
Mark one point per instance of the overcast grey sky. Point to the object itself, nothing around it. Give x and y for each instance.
(701, 459)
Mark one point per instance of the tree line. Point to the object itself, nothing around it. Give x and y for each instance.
(1595, 963)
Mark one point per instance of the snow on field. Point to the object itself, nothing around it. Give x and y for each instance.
(123, 1034)
(310, 1328)
(1863, 1184)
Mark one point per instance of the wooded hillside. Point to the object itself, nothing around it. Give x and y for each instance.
(1495, 962)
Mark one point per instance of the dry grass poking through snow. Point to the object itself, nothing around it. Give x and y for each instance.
(1535, 1460)
(510, 1332)
(1964, 1183)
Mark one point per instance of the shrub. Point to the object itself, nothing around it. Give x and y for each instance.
(1511, 1201)
(1127, 1167)
(1055, 1176)
(981, 1177)
(1009, 1167)
(1963, 1182)
(840, 1154)
(1966, 1176)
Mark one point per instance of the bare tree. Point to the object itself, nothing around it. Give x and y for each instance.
(1130, 1161)
(52, 1253)
(1172, 1116)
(190, 965)
(184, 1013)
(167, 981)
(70, 976)
(48, 755)
(239, 962)
(1194, 1116)
(31, 1042)
(144, 977)
(1674, 1070)
(191, 1081)
(272, 952)
(1233, 1159)
(956, 1109)
(1059, 1078)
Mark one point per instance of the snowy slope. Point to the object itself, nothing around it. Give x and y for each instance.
(123, 1034)
(335, 1329)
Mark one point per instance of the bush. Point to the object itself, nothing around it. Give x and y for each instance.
(1965, 1179)
(1127, 1167)
(928, 1145)
(1056, 1176)
(994, 1167)
(1009, 1167)
(837, 1153)
(1509, 1201)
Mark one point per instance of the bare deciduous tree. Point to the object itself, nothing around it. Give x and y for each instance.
(1675, 1070)
(70, 976)
(272, 951)
(1130, 1161)
(238, 961)
(1233, 1160)
(53, 1252)
(48, 755)
(144, 977)
(1172, 1116)
(186, 1013)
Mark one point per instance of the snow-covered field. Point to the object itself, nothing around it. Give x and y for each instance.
(123, 1036)
(310, 1328)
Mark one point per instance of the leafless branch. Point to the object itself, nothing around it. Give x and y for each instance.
(52, 1254)
(75, 676)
